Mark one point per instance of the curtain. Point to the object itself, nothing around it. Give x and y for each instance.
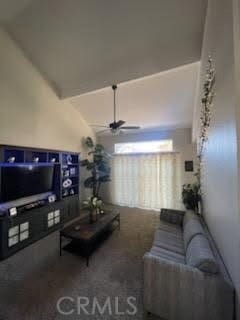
(149, 181)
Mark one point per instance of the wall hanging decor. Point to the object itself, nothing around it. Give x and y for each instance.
(205, 121)
(207, 102)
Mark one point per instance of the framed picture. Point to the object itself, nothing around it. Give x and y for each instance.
(189, 166)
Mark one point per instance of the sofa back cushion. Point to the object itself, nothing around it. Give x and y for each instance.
(172, 216)
(199, 255)
(189, 215)
(191, 228)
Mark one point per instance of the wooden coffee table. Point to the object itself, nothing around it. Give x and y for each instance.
(85, 236)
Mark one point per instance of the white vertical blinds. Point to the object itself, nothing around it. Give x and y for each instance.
(150, 181)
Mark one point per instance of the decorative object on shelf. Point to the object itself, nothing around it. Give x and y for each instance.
(53, 160)
(11, 160)
(98, 165)
(69, 159)
(77, 228)
(73, 171)
(72, 192)
(65, 193)
(94, 204)
(67, 183)
(52, 198)
(188, 166)
(191, 196)
(12, 211)
(36, 159)
(66, 173)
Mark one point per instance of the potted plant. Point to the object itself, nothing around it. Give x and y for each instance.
(191, 196)
(97, 163)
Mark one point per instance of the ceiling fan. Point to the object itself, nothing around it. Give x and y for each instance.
(115, 127)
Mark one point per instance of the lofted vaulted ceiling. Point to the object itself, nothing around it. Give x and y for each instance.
(164, 100)
(84, 45)
(9, 9)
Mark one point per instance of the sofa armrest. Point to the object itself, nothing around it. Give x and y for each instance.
(177, 291)
(172, 216)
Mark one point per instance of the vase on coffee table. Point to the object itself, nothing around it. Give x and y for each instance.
(92, 215)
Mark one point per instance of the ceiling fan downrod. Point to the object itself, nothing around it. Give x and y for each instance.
(114, 87)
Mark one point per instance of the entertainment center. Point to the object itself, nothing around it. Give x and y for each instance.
(39, 192)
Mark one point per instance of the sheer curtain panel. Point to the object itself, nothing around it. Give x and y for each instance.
(149, 181)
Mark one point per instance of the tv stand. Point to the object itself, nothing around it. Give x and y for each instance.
(36, 217)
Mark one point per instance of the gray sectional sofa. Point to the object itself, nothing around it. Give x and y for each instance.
(184, 276)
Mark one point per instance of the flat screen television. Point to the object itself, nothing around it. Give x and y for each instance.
(19, 181)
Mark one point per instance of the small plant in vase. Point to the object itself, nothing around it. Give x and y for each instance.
(95, 206)
(97, 163)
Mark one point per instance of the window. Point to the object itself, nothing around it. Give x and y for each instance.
(144, 147)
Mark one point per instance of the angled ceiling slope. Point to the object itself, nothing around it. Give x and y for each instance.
(81, 46)
(9, 9)
(164, 100)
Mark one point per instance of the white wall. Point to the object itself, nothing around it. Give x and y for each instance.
(181, 143)
(30, 112)
(220, 172)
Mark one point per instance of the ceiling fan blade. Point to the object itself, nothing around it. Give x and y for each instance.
(120, 123)
(102, 131)
(97, 125)
(130, 127)
(116, 125)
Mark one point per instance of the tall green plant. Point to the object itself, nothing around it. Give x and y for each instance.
(97, 163)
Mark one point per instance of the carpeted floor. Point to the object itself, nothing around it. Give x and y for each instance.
(33, 280)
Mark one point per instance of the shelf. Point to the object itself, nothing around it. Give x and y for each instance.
(19, 164)
(70, 195)
(69, 187)
(66, 166)
(68, 177)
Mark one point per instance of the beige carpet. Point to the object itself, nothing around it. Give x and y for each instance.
(33, 280)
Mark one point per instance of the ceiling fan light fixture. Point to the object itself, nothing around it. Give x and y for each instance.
(115, 131)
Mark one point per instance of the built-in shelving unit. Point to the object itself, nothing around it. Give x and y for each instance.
(26, 227)
(70, 174)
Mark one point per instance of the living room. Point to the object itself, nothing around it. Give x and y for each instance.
(119, 159)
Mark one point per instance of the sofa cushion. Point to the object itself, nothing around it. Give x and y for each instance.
(171, 228)
(172, 216)
(169, 241)
(190, 229)
(199, 255)
(167, 255)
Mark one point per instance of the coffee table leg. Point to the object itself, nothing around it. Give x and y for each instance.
(87, 261)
